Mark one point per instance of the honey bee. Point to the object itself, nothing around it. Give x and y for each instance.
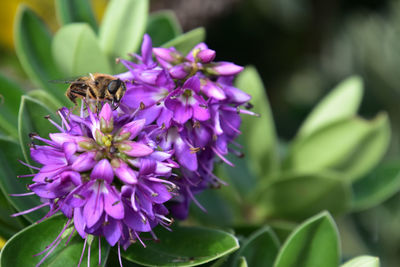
(97, 86)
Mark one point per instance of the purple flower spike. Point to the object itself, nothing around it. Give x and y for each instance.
(78, 169)
(112, 172)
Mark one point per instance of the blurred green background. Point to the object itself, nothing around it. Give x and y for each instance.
(302, 49)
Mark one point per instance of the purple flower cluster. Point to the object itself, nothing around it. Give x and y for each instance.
(117, 173)
(195, 105)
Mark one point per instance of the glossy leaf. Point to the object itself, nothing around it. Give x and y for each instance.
(314, 243)
(362, 261)
(241, 169)
(259, 136)
(10, 168)
(33, 46)
(352, 146)
(378, 186)
(21, 248)
(123, 26)
(242, 262)
(184, 246)
(8, 225)
(342, 102)
(31, 119)
(219, 212)
(70, 11)
(298, 196)
(185, 42)
(76, 51)
(162, 27)
(10, 94)
(260, 249)
(48, 100)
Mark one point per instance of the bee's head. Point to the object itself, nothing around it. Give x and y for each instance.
(116, 89)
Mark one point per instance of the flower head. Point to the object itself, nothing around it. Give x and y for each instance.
(194, 102)
(112, 172)
(105, 175)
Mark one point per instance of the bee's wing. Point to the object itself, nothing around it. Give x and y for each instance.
(67, 80)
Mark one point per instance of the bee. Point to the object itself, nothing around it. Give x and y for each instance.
(97, 86)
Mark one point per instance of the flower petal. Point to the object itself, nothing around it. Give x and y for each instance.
(79, 222)
(146, 50)
(103, 170)
(112, 204)
(125, 173)
(185, 157)
(84, 162)
(200, 113)
(94, 207)
(137, 149)
(136, 222)
(112, 232)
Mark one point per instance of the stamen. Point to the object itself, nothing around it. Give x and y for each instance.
(26, 175)
(55, 124)
(88, 255)
(48, 253)
(28, 165)
(138, 238)
(30, 210)
(22, 194)
(222, 157)
(119, 255)
(55, 240)
(70, 236)
(99, 251)
(195, 200)
(83, 251)
(64, 121)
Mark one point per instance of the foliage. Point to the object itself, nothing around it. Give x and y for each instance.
(286, 191)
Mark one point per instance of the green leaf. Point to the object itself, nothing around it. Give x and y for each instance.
(76, 51)
(297, 196)
(260, 249)
(33, 46)
(185, 42)
(184, 246)
(31, 119)
(352, 146)
(162, 27)
(10, 153)
(342, 102)
(362, 261)
(382, 183)
(242, 262)
(10, 95)
(8, 225)
(70, 11)
(20, 249)
(219, 212)
(123, 26)
(259, 136)
(48, 100)
(314, 243)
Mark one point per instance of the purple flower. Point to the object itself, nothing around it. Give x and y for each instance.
(114, 173)
(108, 177)
(194, 102)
